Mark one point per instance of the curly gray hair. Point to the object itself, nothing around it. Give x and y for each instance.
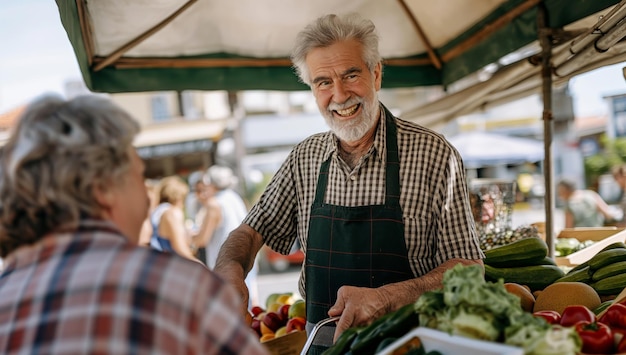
(330, 29)
(59, 152)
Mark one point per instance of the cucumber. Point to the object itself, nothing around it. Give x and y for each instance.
(606, 257)
(536, 277)
(609, 270)
(525, 251)
(611, 285)
(615, 245)
(581, 275)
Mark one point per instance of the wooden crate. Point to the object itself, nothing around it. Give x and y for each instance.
(290, 344)
(602, 236)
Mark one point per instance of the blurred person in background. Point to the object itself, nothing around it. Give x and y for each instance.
(223, 211)
(619, 174)
(72, 203)
(169, 231)
(146, 228)
(200, 197)
(583, 208)
(192, 202)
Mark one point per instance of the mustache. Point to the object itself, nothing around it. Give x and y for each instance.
(333, 106)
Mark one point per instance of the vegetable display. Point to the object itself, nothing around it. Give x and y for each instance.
(523, 262)
(605, 271)
(472, 307)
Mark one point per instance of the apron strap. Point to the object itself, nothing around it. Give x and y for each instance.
(392, 192)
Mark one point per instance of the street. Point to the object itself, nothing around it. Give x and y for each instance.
(269, 283)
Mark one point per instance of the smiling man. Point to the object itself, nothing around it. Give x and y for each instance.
(379, 205)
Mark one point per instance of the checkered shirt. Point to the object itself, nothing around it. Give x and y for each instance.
(92, 292)
(438, 221)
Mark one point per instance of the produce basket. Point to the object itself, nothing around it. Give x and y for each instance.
(448, 344)
(319, 335)
(290, 344)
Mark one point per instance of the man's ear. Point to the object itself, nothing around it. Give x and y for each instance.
(104, 195)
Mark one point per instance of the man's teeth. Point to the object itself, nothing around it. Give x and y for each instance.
(349, 111)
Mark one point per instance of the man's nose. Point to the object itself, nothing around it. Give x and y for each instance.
(340, 93)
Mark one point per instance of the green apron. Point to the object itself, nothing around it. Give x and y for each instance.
(360, 246)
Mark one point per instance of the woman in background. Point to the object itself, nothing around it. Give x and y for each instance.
(168, 219)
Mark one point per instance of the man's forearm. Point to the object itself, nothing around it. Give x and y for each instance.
(401, 293)
(239, 251)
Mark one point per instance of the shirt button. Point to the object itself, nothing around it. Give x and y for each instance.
(352, 177)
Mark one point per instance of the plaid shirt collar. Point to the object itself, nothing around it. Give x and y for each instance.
(53, 239)
(378, 149)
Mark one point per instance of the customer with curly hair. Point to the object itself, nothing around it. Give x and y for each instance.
(72, 203)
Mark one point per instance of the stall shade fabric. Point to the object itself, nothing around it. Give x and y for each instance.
(482, 149)
(142, 45)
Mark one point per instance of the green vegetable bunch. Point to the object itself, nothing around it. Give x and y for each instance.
(468, 305)
(471, 307)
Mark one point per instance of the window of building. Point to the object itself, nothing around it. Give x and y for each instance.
(160, 108)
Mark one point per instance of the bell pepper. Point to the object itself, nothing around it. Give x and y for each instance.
(576, 313)
(621, 346)
(597, 337)
(552, 317)
(615, 316)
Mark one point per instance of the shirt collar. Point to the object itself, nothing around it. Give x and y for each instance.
(380, 143)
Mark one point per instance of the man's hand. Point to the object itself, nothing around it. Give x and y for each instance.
(240, 286)
(358, 306)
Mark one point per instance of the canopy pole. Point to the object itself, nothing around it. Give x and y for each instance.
(548, 123)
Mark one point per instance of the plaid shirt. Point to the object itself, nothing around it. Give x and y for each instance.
(92, 292)
(438, 221)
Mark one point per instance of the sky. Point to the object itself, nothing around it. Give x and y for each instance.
(36, 57)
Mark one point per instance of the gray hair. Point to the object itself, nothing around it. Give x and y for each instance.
(222, 177)
(330, 29)
(59, 152)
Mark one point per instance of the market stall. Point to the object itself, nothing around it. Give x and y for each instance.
(519, 46)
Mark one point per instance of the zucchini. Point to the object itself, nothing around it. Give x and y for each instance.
(611, 285)
(394, 324)
(536, 277)
(615, 245)
(545, 261)
(526, 250)
(385, 343)
(581, 275)
(609, 270)
(342, 345)
(604, 305)
(365, 342)
(606, 257)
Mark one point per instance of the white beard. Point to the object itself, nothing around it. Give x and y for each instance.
(355, 129)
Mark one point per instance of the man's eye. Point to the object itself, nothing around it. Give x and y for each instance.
(323, 83)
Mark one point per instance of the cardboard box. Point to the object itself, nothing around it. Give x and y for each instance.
(290, 344)
(603, 236)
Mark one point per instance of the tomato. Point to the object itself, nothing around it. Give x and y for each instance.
(574, 314)
(552, 317)
(597, 337)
